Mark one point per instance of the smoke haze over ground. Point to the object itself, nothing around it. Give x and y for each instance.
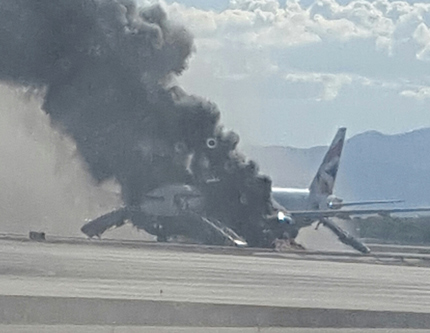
(44, 184)
(103, 70)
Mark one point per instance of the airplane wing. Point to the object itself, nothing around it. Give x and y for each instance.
(335, 205)
(318, 214)
(344, 236)
(323, 216)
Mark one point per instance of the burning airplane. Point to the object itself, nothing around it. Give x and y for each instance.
(170, 210)
(106, 70)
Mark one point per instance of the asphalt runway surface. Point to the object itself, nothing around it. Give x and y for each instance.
(109, 286)
(158, 329)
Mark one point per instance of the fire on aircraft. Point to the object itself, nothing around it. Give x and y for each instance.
(180, 210)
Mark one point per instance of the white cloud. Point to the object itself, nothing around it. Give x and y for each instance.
(419, 94)
(253, 5)
(422, 36)
(265, 23)
(265, 28)
(331, 83)
(320, 53)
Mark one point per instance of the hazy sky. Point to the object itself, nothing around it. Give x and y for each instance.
(291, 72)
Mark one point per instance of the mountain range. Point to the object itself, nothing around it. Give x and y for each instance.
(373, 166)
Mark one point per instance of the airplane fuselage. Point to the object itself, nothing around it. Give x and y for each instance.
(293, 198)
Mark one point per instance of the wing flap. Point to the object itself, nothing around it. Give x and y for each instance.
(317, 214)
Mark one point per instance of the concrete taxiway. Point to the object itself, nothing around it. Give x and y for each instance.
(62, 283)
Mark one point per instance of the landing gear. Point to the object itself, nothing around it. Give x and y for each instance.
(288, 244)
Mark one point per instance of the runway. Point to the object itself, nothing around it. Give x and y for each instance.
(96, 284)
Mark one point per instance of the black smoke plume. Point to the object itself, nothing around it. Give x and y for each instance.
(106, 69)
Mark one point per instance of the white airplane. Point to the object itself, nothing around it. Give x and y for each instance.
(301, 207)
(178, 209)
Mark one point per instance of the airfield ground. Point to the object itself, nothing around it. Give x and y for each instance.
(76, 285)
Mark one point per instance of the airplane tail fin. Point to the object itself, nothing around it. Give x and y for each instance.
(323, 183)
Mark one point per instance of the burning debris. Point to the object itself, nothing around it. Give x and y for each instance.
(106, 69)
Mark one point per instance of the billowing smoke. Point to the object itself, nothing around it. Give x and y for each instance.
(106, 70)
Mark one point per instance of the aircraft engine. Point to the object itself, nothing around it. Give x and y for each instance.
(283, 218)
(334, 202)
